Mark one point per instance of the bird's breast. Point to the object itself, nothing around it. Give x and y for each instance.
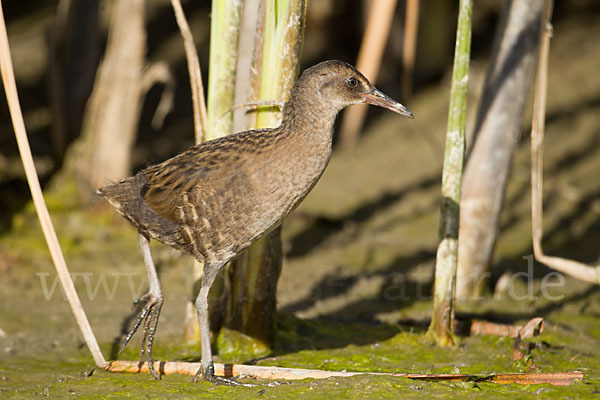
(285, 178)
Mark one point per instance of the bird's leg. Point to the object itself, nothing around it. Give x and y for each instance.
(207, 370)
(152, 304)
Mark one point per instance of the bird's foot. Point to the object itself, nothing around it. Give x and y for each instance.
(151, 305)
(208, 374)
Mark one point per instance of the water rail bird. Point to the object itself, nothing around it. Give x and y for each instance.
(215, 199)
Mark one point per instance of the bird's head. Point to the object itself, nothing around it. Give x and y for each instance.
(339, 85)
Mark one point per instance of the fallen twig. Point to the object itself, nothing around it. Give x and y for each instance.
(495, 329)
(274, 373)
(534, 327)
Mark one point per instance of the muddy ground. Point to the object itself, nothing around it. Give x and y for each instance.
(355, 288)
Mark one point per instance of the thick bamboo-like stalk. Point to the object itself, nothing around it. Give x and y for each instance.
(495, 138)
(278, 373)
(246, 88)
(576, 269)
(10, 87)
(224, 36)
(254, 275)
(248, 68)
(381, 14)
(447, 253)
(281, 49)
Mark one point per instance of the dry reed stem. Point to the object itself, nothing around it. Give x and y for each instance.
(8, 78)
(573, 268)
(381, 14)
(198, 101)
(409, 46)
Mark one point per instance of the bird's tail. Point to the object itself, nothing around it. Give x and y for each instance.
(127, 198)
(122, 193)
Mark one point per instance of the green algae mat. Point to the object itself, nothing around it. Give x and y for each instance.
(354, 293)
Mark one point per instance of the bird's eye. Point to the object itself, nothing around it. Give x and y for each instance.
(352, 82)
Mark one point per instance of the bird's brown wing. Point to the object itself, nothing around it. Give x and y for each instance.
(195, 178)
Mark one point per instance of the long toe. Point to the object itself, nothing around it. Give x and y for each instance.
(146, 304)
(143, 305)
(148, 315)
(149, 332)
(218, 380)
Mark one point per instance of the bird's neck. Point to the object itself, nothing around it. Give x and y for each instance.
(311, 121)
(306, 139)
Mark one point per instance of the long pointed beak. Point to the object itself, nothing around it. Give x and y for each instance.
(377, 98)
